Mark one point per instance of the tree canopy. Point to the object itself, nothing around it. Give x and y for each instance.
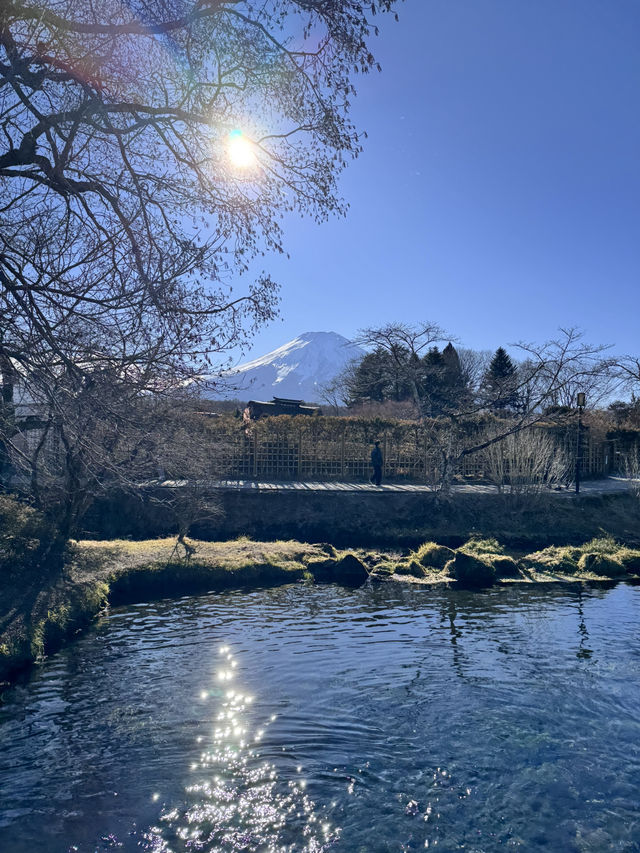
(124, 213)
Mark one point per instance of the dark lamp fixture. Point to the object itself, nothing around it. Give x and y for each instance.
(582, 400)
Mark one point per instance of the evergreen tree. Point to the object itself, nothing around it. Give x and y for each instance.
(499, 382)
(381, 376)
(442, 386)
(455, 389)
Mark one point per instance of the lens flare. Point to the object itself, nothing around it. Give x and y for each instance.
(241, 150)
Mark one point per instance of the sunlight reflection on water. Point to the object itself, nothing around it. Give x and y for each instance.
(377, 720)
(238, 800)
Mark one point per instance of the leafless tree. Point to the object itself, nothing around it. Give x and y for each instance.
(626, 372)
(147, 154)
(550, 375)
(405, 343)
(473, 364)
(554, 373)
(123, 212)
(337, 391)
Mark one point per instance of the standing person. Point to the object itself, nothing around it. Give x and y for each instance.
(376, 461)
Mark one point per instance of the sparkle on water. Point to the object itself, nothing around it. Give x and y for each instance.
(379, 719)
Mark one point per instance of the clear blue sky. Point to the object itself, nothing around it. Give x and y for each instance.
(499, 191)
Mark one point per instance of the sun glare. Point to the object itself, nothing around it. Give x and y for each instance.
(241, 150)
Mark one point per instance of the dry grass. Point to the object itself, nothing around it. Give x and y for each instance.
(430, 555)
(119, 556)
(599, 558)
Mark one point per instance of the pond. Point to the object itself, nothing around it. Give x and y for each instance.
(387, 718)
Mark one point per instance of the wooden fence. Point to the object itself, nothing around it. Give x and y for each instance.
(339, 449)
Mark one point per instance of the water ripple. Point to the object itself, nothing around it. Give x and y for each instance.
(380, 719)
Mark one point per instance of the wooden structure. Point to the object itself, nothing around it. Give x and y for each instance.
(278, 406)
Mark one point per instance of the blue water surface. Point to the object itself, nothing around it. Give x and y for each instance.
(387, 718)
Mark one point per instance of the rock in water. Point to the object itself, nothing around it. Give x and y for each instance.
(469, 571)
(350, 570)
(347, 570)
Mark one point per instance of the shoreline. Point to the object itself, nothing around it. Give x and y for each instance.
(39, 615)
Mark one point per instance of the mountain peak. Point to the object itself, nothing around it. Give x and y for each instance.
(298, 369)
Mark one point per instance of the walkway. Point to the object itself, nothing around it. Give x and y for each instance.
(587, 487)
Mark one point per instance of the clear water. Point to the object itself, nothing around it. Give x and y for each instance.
(306, 719)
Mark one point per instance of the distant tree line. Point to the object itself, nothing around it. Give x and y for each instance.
(439, 382)
(409, 364)
(416, 371)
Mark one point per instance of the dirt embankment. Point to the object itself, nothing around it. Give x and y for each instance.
(382, 519)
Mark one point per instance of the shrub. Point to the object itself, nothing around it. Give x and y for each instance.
(24, 536)
(433, 556)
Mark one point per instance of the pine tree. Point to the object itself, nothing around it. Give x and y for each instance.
(499, 382)
(442, 387)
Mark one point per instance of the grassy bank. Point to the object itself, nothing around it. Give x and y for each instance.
(39, 610)
(38, 614)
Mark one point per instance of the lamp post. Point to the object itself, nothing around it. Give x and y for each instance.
(581, 402)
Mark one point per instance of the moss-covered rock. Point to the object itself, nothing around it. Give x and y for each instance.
(322, 570)
(383, 569)
(411, 567)
(470, 571)
(430, 555)
(554, 559)
(348, 569)
(601, 564)
(482, 546)
(503, 566)
(629, 559)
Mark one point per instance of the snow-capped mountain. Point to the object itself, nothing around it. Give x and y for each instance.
(299, 369)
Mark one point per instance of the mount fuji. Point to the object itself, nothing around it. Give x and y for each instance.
(298, 369)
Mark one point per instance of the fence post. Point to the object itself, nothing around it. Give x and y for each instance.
(344, 429)
(385, 460)
(426, 474)
(255, 453)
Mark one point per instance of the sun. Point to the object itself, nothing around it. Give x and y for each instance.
(241, 150)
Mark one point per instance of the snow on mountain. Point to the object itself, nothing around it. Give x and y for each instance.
(298, 369)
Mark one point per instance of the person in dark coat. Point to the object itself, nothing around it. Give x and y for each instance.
(376, 462)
